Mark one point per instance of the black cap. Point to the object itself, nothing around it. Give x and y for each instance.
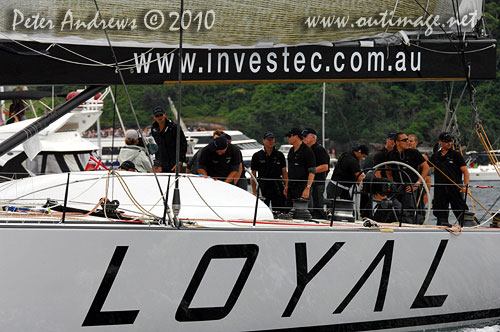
(220, 143)
(293, 132)
(229, 138)
(391, 134)
(158, 110)
(156, 162)
(307, 131)
(445, 137)
(362, 148)
(268, 134)
(128, 165)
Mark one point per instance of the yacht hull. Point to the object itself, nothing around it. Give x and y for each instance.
(70, 277)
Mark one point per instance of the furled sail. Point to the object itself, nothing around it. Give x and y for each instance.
(65, 41)
(247, 23)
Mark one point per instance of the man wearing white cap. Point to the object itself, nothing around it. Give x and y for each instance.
(134, 152)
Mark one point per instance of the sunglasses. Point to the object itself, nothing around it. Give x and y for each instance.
(159, 115)
(403, 140)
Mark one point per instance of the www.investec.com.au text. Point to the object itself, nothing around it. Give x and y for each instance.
(271, 62)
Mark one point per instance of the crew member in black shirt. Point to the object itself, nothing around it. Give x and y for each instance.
(346, 171)
(220, 160)
(164, 131)
(402, 175)
(451, 163)
(269, 166)
(301, 167)
(316, 203)
(381, 155)
(411, 157)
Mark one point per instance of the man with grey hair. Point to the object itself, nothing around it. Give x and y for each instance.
(412, 144)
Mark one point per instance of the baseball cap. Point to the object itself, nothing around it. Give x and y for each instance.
(268, 134)
(362, 148)
(156, 162)
(158, 110)
(293, 132)
(132, 134)
(391, 134)
(307, 131)
(220, 143)
(128, 165)
(445, 137)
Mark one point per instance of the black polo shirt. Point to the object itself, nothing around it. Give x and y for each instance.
(450, 164)
(268, 166)
(346, 168)
(322, 158)
(410, 157)
(300, 162)
(380, 157)
(219, 166)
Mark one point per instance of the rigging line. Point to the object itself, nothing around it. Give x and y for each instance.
(131, 196)
(449, 93)
(95, 61)
(453, 53)
(113, 131)
(122, 63)
(425, 17)
(491, 207)
(344, 119)
(95, 64)
(439, 25)
(101, 63)
(466, 67)
(392, 16)
(489, 86)
(131, 104)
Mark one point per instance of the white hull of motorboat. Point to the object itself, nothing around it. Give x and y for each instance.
(67, 277)
(484, 173)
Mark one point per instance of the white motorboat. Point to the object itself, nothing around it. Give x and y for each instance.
(483, 173)
(55, 149)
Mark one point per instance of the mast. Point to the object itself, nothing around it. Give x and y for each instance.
(176, 200)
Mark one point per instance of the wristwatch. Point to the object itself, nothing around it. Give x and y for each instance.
(308, 186)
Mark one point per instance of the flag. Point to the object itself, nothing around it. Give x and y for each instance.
(94, 164)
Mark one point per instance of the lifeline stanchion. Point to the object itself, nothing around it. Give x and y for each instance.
(65, 200)
(256, 205)
(165, 203)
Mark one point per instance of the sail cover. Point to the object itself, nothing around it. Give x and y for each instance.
(64, 41)
(244, 23)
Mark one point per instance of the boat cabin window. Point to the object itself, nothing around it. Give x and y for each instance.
(204, 140)
(54, 163)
